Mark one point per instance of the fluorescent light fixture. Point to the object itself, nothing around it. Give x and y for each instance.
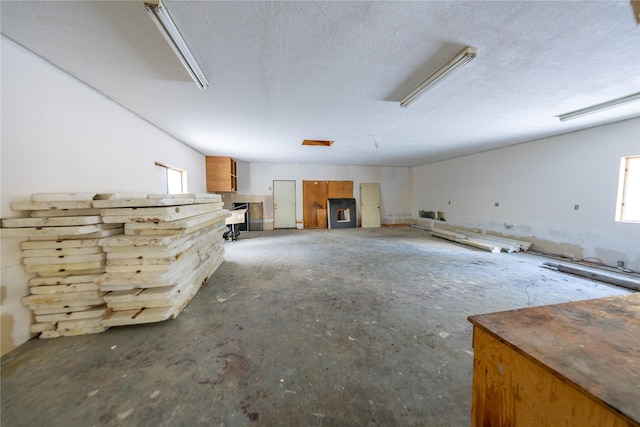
(167, 27)
(599, 107)
(467, 54)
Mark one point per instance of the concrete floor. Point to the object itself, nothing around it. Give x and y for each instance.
(356, 327)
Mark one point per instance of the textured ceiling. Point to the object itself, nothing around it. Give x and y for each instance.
(282, 72)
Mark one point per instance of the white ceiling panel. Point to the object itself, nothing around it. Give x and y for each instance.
(281, 72)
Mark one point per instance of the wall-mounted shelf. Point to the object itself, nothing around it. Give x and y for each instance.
(221, 174)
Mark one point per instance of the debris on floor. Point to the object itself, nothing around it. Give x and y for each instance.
(487, 242)
(611, 279)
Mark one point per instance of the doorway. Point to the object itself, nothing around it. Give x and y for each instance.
(284, 204)
(370, 204)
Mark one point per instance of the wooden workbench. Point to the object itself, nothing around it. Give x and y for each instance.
(574, 364)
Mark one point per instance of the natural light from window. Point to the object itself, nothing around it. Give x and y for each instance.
(172, 180)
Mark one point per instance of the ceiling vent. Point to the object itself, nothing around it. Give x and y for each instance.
(317, 143)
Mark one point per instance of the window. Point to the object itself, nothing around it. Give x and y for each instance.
(628, 206)
(171, 180)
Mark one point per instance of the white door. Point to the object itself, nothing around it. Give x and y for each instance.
(370, 205)
(284, 204)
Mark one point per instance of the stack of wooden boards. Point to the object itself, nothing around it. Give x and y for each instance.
(115, 259)
(483, 241)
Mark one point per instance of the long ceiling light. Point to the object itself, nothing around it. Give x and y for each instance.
(167, 27)
(449, 68)
(599, 107)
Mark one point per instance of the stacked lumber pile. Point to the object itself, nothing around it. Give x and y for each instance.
(105, 260)
(487, 242)
(63, 251)
(170, 247)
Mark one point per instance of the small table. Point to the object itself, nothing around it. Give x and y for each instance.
(574, 364)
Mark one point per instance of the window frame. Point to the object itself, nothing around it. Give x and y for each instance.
(167, 182)
(628, 200)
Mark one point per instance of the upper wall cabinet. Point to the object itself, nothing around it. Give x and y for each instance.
(221, 174)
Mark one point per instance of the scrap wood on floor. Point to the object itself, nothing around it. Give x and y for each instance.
(486, 242)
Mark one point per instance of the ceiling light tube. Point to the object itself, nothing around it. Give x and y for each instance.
(167, 27)
(449, 68)
(599, 107)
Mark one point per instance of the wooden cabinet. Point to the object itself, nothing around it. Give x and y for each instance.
(574, 364)
(221, 174)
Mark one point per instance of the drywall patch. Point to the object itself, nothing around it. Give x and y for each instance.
(6, 330)
(569, 250)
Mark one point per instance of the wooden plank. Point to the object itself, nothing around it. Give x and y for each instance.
(136, 317)
(218, 224)
(198, 197)
(117, 196)
(511, 245)
(63, 212)
(180, 224)
(617, 281)
(37, 328)
(74, 327)
(340, 190)
(591, 346)
(159, 268)
(65, 268)
(31, 253)
(145, 279)
(59, 244)
(150, 297)
(55, 289)
(98, 234)
(62, 260)
(71, 328)
(156, 214)
(207, 198)
(140, 241)
(49, 232)
(62, 299)
(62, 197)
(97, 312)
(321, 219)
(99, 270)
(149, 315)
(63, 309)
(213, 231)
(62, 221)
(461, 238)
(140, 203)
(70, 279)
(66, 306)
(314, 197)
(45, 206)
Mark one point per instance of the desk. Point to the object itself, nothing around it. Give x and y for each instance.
(574, 364)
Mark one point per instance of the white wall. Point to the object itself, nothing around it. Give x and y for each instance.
(58, 135)
(537, 185)
(255, 183)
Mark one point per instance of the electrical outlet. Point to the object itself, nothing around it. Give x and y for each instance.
(621, 264)
(576, 207)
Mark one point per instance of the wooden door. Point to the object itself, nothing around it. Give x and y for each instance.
(284, 204)
(370, 205)
(314, 199)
